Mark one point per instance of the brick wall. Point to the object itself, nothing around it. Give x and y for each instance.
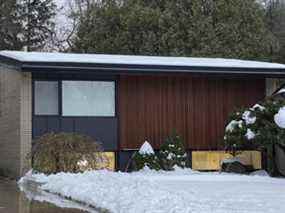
(15, 120)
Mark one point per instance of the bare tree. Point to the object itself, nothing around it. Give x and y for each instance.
(68, 16)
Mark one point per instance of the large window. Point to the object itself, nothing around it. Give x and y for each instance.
(46, 98)
(88, 98)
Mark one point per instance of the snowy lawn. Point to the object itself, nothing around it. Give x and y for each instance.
(179, 191)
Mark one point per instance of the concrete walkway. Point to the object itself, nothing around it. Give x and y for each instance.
(12, 200)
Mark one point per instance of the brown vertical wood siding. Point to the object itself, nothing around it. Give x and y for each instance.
(150, 107)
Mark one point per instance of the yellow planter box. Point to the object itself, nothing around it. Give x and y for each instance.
(109, 161)
(211, 160)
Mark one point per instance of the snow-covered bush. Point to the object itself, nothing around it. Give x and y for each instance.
(172, 152)
(240, 132)
(65, 152)
(257, 127)
(146, 157)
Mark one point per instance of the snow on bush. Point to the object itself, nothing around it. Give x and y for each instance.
(231, 126)
(235, 134)
(279, 118)
(249, 134)
(146, 149)
(281, 91)
(248, 118)
(146, 157)
(258, 106)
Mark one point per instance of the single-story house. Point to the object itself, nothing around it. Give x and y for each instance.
(123, 100)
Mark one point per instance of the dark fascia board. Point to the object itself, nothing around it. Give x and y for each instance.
(141, 69)
(62, 67)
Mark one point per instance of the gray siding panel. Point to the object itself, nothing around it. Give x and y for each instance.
(41, 126)
(53, 124)
(67, 124)
(102, 129)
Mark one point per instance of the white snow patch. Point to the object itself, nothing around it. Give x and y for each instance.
(249, 134)
(230, 127)
(146, 149)
(31, 176)
(258, 106)
(182, 190)
(33, 192)
(279, 118)
(248, 118)
(177, 171)
(262, 173)
(117, 192)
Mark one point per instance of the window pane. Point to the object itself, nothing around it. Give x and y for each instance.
(88, 98)
(46, 97)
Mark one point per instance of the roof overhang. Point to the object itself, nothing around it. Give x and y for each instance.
(38, 66)
(144, 69)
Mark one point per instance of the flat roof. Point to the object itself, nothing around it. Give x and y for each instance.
(37, 61)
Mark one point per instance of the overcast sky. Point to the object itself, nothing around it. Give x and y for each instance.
(60, 4)
(63, 24)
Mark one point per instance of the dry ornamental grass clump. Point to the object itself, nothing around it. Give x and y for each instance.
(66, 152)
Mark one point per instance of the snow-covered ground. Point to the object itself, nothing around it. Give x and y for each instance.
(179, 191)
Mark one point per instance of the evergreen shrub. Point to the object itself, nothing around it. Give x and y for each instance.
(259, 127)
(172, 152)
(146, 157)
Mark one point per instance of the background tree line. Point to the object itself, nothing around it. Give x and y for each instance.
(275, 22)
(251, 29)
(26, 24)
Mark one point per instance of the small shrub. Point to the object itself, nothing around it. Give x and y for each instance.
(172, 152)
(65, 152)
(146, 157)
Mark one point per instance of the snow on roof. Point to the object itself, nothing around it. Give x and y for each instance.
(136, 60)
